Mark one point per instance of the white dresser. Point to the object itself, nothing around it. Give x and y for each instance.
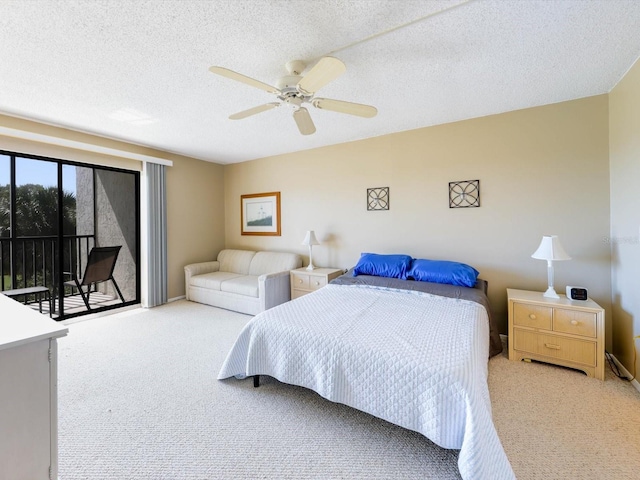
(28, 393)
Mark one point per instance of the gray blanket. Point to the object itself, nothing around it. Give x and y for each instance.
(477, 294)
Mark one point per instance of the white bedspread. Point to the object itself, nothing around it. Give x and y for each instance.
(414, 359)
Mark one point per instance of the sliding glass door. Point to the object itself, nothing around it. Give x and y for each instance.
(71, 228)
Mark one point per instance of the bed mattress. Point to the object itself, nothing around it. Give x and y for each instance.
(415, 359)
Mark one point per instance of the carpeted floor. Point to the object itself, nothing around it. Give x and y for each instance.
(139, 399)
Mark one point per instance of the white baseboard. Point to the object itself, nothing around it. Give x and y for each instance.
(174, 299)
(626, 373)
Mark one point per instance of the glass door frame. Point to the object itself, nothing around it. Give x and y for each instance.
(58, 276)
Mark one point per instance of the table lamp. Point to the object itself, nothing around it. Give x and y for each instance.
(310, 240)
(550, 249)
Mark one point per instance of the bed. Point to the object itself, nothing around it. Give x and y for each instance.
(412, 353)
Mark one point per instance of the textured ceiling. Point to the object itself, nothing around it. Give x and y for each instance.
(137, 70)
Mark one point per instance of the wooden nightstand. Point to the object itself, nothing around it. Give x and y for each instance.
(559, 331)
(305, 281)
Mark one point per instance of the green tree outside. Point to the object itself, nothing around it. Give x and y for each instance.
(36, 216)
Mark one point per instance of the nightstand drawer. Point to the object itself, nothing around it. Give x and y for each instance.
(572, 321)
(299, 280)
(532, 316)
(579, 351)
(305, 281)
(317, 282)
(569, 349)
(525, 341)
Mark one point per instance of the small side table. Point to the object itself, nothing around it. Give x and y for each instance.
(305, 281)
(559, 331)
(37, 291)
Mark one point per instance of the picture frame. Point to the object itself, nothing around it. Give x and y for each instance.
(260, 214)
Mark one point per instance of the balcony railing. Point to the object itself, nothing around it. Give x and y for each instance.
(34, 261)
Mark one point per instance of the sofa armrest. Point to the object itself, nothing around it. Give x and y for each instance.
(274, 289)
(198, 269)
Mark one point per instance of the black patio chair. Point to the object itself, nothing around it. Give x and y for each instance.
(100, 265)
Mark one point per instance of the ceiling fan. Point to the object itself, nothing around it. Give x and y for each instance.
(294, 91)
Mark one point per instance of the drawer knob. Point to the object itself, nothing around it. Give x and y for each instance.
(574, 322)
(532, 316)
(317, 283)
(552, 346)
(300, 281)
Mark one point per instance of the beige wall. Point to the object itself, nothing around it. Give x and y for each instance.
(624, 148)
(542, 171)
(195, 217)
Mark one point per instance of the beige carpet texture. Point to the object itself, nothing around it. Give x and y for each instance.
(139, 399)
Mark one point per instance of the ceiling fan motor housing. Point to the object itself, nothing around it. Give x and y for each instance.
(288, 83)
(290, 95)
(295, 67)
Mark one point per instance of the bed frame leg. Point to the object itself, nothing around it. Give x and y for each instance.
(256, 381)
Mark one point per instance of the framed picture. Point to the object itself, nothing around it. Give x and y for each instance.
(260, 214)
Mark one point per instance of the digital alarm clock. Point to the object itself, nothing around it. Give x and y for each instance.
(576, 293)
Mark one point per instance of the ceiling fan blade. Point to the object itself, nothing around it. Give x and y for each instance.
(326, 70)
(254, 111)
(358, 109)
(225, 72)
(304, 122)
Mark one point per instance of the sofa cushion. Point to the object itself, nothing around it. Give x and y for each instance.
(246, 285)
(236, 261)
(212, 280)
(273, 262)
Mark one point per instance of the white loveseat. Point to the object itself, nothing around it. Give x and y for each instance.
(242, 280)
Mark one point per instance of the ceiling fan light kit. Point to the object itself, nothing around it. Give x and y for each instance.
(295, 90)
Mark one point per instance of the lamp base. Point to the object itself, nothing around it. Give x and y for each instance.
(551, 293)
(310, 267)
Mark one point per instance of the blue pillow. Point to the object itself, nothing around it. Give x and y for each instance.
(394, 266)
(442, 271)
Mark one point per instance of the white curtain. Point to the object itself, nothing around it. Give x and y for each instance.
(156, 234)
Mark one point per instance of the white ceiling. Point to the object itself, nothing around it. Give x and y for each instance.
(137, 70)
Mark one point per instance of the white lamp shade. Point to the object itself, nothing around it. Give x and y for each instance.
(310, 238)
(550, 249)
